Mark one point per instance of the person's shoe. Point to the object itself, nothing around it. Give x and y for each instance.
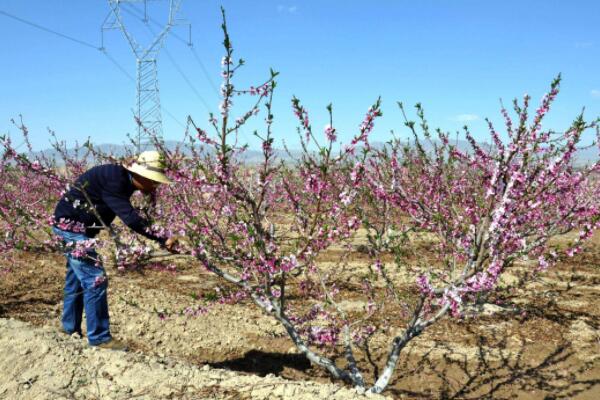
(113, 345)
(76, 335)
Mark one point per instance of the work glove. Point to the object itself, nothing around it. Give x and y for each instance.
(172, 242)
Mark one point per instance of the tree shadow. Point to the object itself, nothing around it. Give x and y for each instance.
(31, 304)
(264, 363)
(500, 367)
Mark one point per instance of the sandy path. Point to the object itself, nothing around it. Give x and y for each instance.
(42, 363)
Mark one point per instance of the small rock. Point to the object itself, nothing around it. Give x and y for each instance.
(491, 309)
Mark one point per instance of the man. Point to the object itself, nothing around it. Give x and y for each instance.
(108, 188)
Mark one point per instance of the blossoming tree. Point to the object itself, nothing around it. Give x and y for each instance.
(266, 228)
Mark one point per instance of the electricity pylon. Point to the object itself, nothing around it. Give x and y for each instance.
(148, 111)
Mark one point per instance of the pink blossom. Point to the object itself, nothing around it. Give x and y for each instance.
(330, 133)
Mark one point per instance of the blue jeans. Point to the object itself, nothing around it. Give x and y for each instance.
(85, 288)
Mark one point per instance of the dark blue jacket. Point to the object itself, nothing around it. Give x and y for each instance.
(109, 187)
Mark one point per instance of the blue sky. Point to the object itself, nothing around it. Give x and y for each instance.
(458, 58)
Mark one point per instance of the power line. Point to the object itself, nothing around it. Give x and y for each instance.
(206, 74)
(189, 83)
(123, 70)
(62, 35)
(81, 42)
(86, 44)
(131, 10)
(174, 118)
(159, 108)
(170, 57)
(131, 78)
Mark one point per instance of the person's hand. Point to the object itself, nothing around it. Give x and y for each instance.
(172, 242)
(206, 196)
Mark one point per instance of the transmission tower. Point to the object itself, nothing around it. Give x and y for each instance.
(148, 111)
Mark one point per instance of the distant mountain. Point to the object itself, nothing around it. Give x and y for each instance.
(585, 156)
(249, 156)
(582, 157)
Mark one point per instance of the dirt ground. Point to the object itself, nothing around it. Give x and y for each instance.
(41, 363)
(542, 343)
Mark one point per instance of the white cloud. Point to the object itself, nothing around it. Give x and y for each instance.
(466, 117)
(289, 9)
(595, 93)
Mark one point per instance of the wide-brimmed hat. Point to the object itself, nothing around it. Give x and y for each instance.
(150, 164)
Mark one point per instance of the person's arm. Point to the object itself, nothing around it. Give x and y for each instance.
(122, 207)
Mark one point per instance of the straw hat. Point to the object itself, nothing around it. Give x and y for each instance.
(151, 165)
